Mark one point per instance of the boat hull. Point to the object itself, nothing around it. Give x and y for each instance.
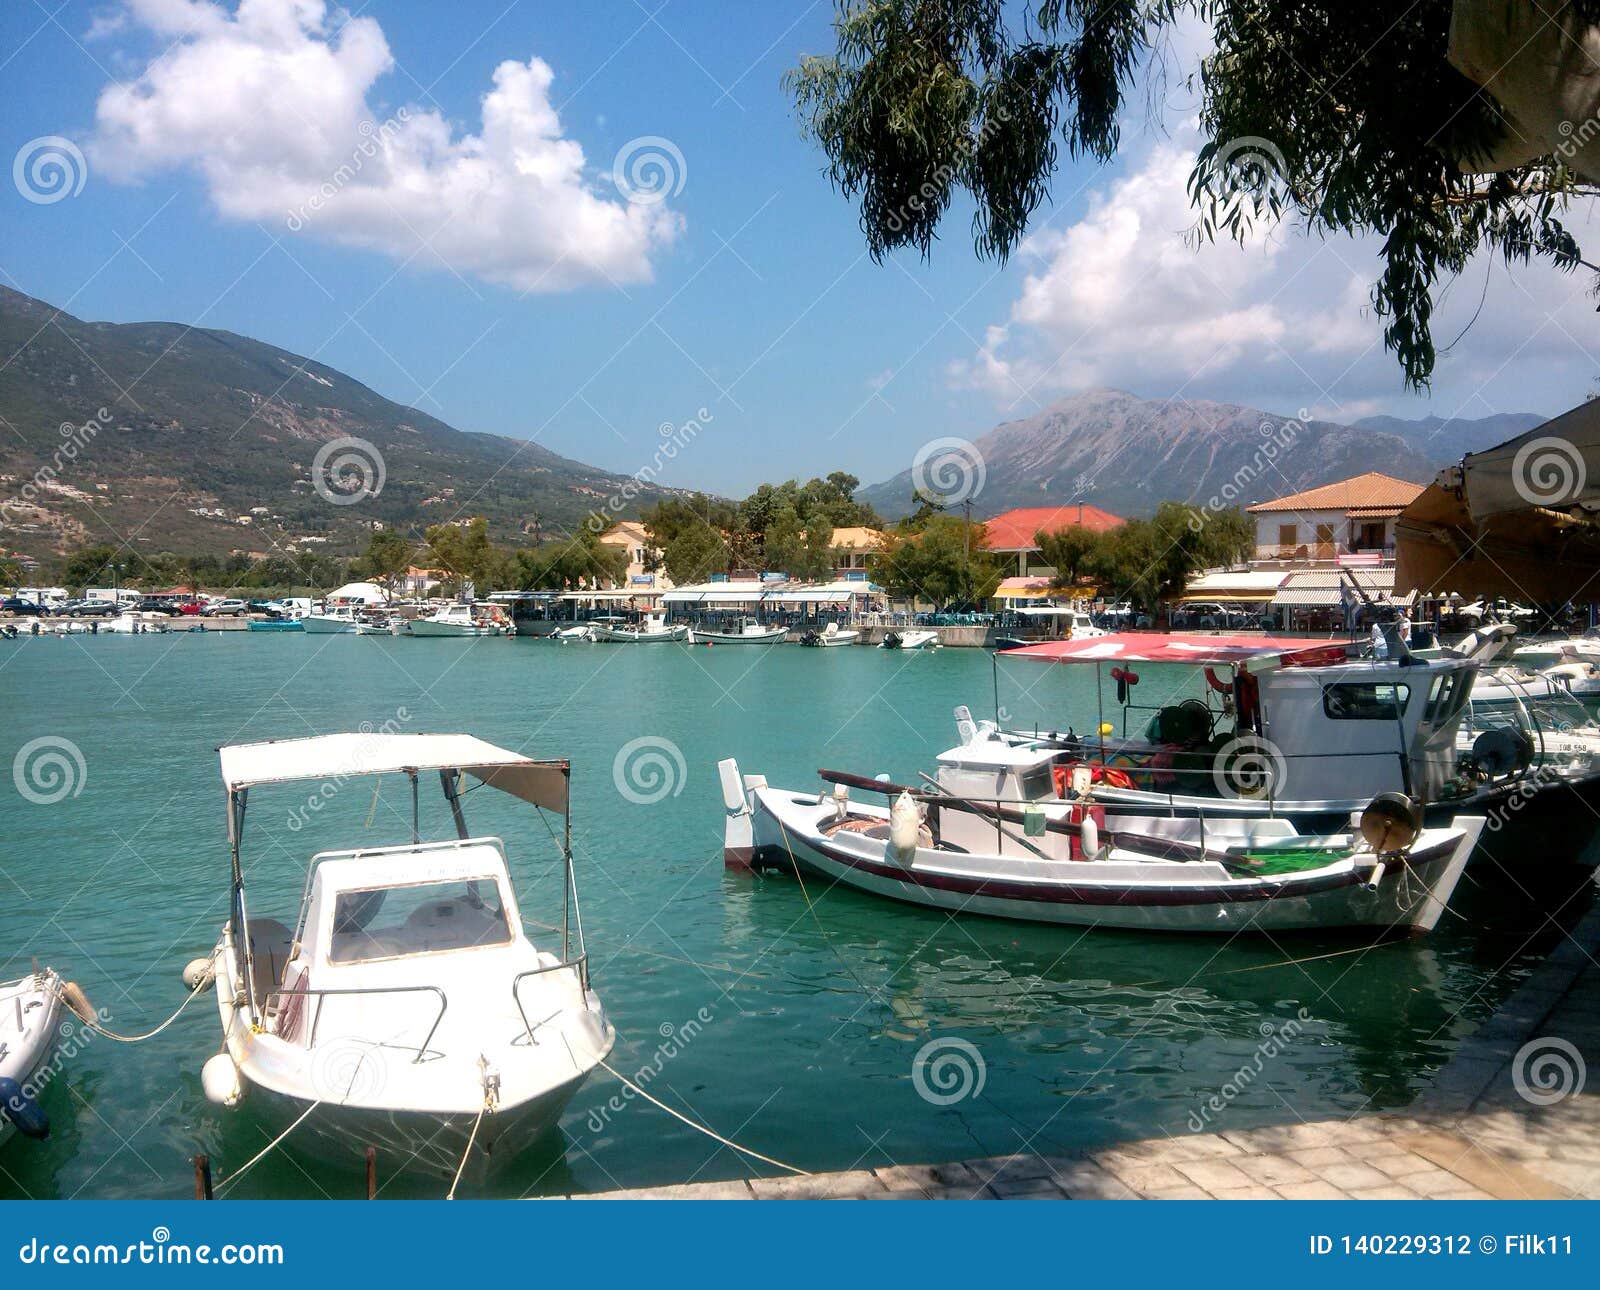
(729, 638)
(29, 1035)
(423, 627)
(328, 626)
(622, 637)
(1409, 896)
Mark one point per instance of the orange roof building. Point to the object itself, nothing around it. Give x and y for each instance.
(1015, 532)
(1346, 521)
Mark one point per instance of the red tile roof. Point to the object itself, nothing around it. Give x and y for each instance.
(1014, 530)
(1370, 491)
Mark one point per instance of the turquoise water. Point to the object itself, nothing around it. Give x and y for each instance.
(815, 1018)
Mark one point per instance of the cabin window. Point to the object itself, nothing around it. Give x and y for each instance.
(1365, 701)
(1445, 697)
(1036, 783)
(419, 918)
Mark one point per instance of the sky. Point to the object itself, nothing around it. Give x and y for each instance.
(580, 224)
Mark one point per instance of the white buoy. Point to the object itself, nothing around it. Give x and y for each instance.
(198, 973)
(219, 1079)
(905, 823)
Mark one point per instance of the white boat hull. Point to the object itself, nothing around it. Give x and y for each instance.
(30, 1011)
(771, 637)
(622, 636)
(423, 627)
(785, 829)
(317, 624)
(917, 639)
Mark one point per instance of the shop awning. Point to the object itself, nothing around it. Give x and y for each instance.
(1322, 588)
(1251, 585)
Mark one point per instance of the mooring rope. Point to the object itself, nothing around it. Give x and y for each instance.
(87, 1016)
(471, 1138)
(701, 1128)
(261, 1155)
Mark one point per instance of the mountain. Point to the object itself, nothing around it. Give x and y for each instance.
(1448, 439)
(1127, 454)
(210, 441)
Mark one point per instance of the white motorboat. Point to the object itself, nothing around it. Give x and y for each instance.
(830, 636)
(458, 619)
(1581, 680)
(747, 632)
(909, 638)
(650, 630)
(335, 620)
(1533, 724)
(404, 1005)
(966, 844)
(30, 1010)
(1539, 655)
(134, 624)
(577, 632)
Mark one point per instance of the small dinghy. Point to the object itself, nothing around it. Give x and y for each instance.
(1068, 862)
(404, 1006)
(910, 638)
(30, 1011)
(584, 632)
(829, 636)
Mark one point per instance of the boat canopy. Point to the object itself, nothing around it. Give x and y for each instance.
(278, 761)
(1202, 651)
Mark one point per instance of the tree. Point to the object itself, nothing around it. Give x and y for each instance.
(1067, 550)
(1347, 113)
(86, 566)
(943, 561)
(10, 571)
(1149, 561)
(468, 554)
(387, 558)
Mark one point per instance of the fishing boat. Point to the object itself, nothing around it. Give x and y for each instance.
(30, 1010)
(335, 620)
(404, 1006)
(746, 632)
(459, 619)
(650, 630)
(829, 636)
(909, 638)
(1298, 729)
(972, 842)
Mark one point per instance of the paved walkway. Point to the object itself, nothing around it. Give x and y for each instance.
(1473, 1136)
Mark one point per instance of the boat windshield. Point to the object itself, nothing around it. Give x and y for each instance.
(417, 918)
(1549, 712)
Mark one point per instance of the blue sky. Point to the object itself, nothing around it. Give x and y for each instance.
(744, 290)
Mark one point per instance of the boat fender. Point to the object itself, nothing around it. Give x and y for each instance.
(733, 795)
(22, 1110)
(73, 996)
(841, 801)
(905, 822)
(1090, 832)
(1124, 680)
(219, 1080)
(199, 974)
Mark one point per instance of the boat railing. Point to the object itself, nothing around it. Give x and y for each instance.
(301, 992)
(580, 962)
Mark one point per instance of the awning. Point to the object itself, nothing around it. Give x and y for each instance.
(1322, 588)
(1520, 520)
(607, 596)
(1150, 647)
(1258, 585)
(827, 591)
(334, 757)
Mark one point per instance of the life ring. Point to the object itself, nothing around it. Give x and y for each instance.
(1216, 682)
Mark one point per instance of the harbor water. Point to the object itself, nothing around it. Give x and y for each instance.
(820, 1027)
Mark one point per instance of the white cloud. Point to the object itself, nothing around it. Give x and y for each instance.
(1125, 296)
(272, 105)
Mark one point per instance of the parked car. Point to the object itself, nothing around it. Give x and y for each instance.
(226, 608)
(20, 608)
(155, 605)
(192, 605)
(90, 609)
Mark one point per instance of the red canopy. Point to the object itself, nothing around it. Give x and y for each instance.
(1202, 651)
